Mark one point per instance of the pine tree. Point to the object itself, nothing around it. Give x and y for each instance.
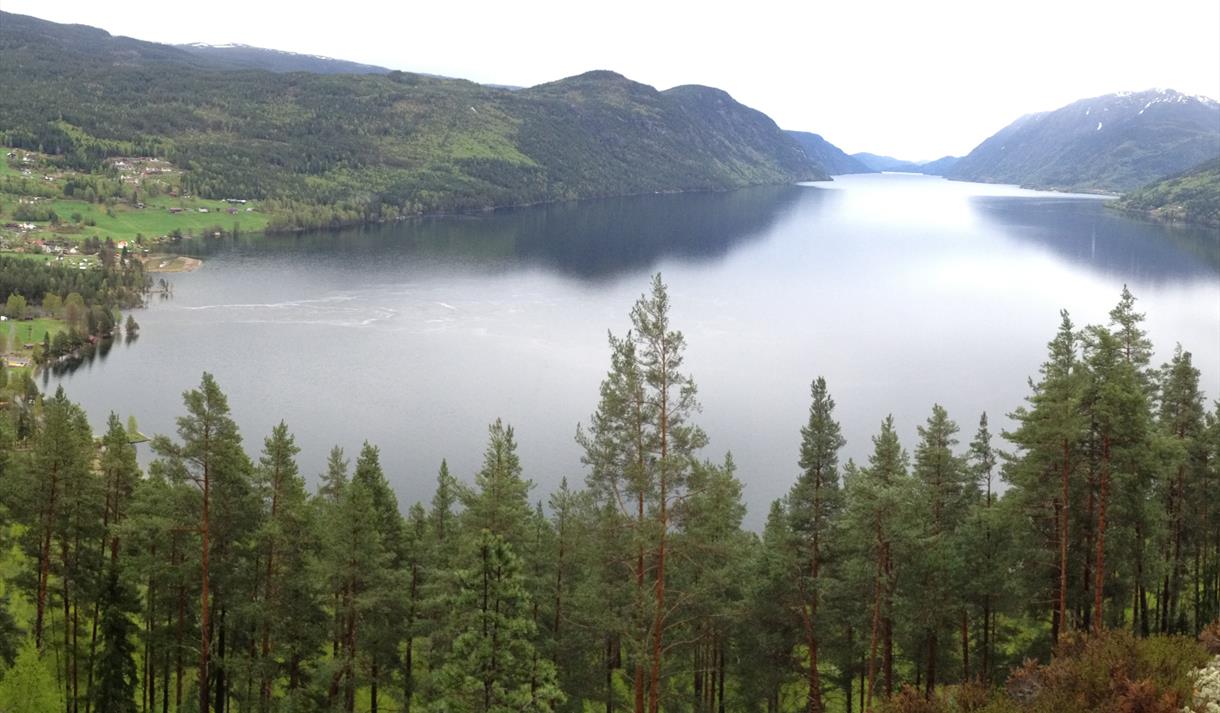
(1043, 475)
(209, 456)
(942, 493)
(383, 632)
(1183, 484)
(290, 616)
(769, 630)
(709, 550)
(876, 498)
(335, 479)
(813, 506)
(1115, 401)
(121, 474)
(499, 502)
(358, 569)
(981, 547)
(494, 666)
(116, 666)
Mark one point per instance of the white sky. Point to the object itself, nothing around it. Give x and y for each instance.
(916, 80)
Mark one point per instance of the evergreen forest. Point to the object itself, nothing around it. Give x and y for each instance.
(1070, 562)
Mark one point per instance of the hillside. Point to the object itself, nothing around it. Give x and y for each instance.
(940, 166)
(247, 57)
(830, 157)
(876, 162)
(331, 148)
(1189, 197)
(1116, 142)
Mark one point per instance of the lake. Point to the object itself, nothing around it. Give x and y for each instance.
(902, 290)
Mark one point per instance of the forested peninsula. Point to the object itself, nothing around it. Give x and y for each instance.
(1077, 571)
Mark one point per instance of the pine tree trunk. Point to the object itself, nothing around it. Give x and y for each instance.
(205, 628)
(986, 672)
(638, 688)
(720, 674)
(888, 623)
(373, 687)
(873, 640)
(931, 684)
(965, 646)
(44, 556)
(222, 687)
(609, 673)
(1063, 540)
(178, 646)
(697, 671)
(1100, 573)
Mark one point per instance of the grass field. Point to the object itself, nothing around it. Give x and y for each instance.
(29, 332)
(124, 222)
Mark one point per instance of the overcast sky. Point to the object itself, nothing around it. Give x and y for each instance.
(915, 80)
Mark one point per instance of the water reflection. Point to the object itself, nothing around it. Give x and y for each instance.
(590, 240)
(1092, 236)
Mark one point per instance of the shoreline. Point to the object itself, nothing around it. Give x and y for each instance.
(171, 263)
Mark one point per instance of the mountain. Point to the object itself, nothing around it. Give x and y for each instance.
(341, 148)
(1116, 142)
(247, 57)
(1190, 197)
(875, 162)
(940, 166)
(830, 157)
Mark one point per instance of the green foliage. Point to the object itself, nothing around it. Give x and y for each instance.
(29, 685)
(15, 307)
(493, 666)
(30, 281)
(1189, 197)
(116, 667)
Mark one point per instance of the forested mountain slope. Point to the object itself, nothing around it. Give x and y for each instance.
(237, 56)
(349, 148)
(830, 157)
(1189, 197)
(1116, 142)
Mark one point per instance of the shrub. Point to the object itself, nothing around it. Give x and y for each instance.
(1210, 638)
(911, 700)
(1114, 672)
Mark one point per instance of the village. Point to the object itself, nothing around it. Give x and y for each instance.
(55, 213)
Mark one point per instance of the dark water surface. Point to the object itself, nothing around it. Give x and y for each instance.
(902, 290)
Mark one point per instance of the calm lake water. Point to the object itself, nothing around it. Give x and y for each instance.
(901, 290)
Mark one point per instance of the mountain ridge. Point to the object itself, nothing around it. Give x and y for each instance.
(344, 148)
(1109, 143)
(831, 158)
